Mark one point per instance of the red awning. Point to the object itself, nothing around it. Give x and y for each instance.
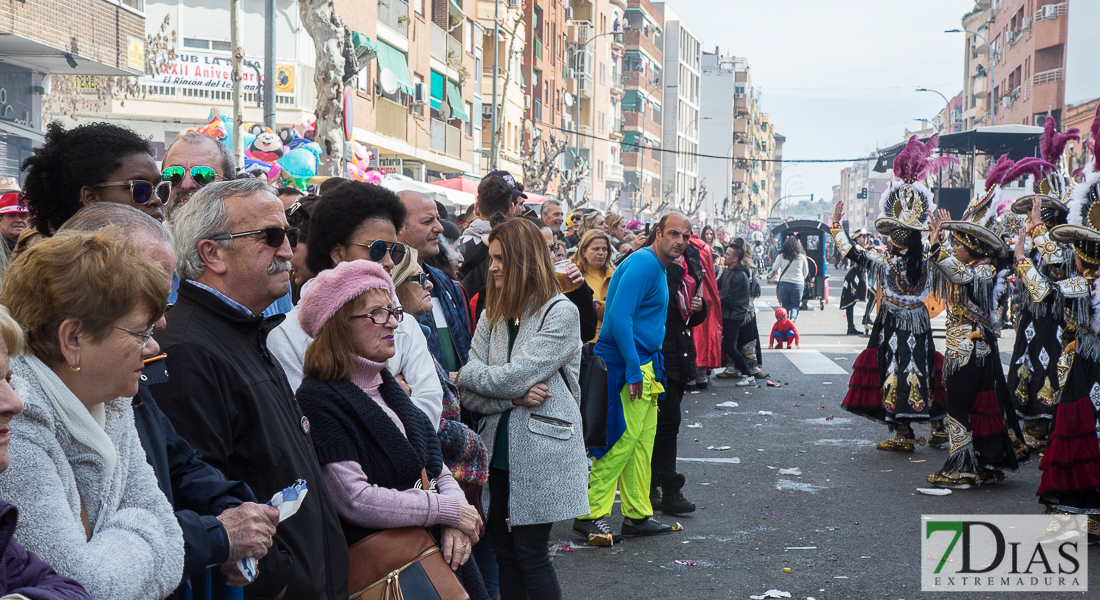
(462, 184)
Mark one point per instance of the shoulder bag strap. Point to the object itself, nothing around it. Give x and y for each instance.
(561, 370)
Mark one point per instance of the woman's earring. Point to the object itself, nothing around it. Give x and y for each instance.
(75, 368)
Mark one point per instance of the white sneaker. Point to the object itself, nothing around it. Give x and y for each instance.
(745, 381)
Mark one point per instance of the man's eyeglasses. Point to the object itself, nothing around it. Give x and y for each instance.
(145, 337)
(382, 313)
(420, 279)
(273, 236)
(142, 191)
(201, 175)
(379, 248)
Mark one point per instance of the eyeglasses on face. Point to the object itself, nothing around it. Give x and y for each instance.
(201, 175)
(379, 248)
(142, 191)
(420, 279)
(381, 316)
(273, 236)
(145, 337)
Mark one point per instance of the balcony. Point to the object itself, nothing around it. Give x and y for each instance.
(615, 173)
(741, 126)
(1049, 76)
(394, 14)
(637, 39)
(538, 49)
(740, 151)
(454, 141)
(585, 85)
(536, 109)
(439, 43)
(392, 119)
(446, 139)
(454, 51)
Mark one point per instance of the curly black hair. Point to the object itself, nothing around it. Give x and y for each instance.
(341, 211)
(70, 160)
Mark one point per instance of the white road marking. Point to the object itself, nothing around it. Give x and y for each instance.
(812, 362)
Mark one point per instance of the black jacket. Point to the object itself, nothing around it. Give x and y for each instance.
(679, 347)
(855, 287)
(230, 398)
(733, 291)
(197, 492)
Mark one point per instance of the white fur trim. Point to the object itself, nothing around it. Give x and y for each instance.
(1029, 183)
(1079, 196)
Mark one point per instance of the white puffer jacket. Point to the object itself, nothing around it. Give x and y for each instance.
(136, 550)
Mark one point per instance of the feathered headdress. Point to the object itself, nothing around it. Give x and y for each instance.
(983, 225)
(1053, 185)
(1083, 221)
(907, 202)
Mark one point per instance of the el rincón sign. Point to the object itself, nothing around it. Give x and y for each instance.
(216, 72)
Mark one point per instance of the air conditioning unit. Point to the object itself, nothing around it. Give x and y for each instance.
(571, 73)
(526, 101)
(569, 13)
(420, 93)
(514, 3)
(1050, 11)
(739, 95)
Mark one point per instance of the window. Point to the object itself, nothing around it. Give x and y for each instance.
(602, 123)
(468, 35)
(469, 122)
(194, 43)
(418, 6)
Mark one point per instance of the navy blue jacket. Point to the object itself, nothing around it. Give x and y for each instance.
(454, 308)
(22, 572)
(197, 491)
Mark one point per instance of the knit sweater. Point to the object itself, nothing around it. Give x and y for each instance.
(136, 547)
(634, 319)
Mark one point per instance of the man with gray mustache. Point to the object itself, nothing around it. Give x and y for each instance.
(228, 396)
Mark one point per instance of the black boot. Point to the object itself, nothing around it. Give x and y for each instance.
(672, 497)
(655, 495)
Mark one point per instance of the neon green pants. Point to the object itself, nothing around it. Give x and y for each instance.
(627, 464)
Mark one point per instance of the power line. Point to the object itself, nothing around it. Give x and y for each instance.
(697, 155)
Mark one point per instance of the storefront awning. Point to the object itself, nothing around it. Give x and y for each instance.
(20, 131)
(393, 59)
(437, 90)
(364, 49)
(454, 98)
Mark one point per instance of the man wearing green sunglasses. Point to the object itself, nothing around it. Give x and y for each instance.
(193, 161)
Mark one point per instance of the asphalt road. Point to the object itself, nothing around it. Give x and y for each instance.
(857, 505)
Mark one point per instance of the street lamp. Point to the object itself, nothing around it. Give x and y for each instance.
(992, 81)
(946, 102)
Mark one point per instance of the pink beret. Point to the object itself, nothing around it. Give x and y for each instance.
(334, 288)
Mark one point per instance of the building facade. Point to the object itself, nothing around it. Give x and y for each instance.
(976, 103)
(64, 37)
(510, 93)
(1029, 47)
(680, 127)
(544, 78)
(642, 109)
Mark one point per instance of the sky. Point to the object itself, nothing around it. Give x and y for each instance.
(838, 77)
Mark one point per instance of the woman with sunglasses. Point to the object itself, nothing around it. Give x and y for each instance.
(352, 222)
(89, 504)
(371, 440)
(97, 162)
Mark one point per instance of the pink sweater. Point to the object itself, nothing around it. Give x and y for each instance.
(366, 505)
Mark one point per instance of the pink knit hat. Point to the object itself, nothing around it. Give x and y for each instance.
(334, 288)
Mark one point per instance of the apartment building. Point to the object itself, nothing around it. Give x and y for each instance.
(680, 127)
(642, 109)
(544, 74)
(427, 125)
(595, 92)
(511, 85)
(860, 188)
(975, 94)
(1028, 68)
(67, 37)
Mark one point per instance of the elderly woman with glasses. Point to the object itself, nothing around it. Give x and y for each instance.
(372, 441)
(90, 503)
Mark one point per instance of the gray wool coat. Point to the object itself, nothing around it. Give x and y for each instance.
(547, 467)
(136, 550)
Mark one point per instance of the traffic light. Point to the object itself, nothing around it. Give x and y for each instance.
(862, 195)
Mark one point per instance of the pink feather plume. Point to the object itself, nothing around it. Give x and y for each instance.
(1094, 131)
(996, 172)
(915, 161)
(1028, 166)
(1047, 139)
(1052, 144)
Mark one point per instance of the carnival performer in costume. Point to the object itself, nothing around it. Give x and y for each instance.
(1032, 375)
(896, 379)
(980, 414)
(1071, 464)
(855, 283)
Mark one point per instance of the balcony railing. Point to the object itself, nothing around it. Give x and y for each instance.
(439, 137)
(538, 49)
(454, 141)
(1051, 11)
(1049, 76)
(454, 50)
(392, 119)
(585, 85)
(439, 43)
(395, 15)
(536, 109)
(615, 172)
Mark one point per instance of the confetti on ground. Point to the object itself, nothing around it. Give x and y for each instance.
(695, 425)
(719, 448)
(795, 471)
(724, 461)
(677, 527)
(771, 383)
(728, 404)
(801, 548)
(687, 563)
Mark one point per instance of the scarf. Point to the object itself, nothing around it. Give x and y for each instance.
(476, 232)
(86, 425)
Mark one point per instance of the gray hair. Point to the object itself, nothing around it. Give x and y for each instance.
(542, 211)
(228, 164)
(98, 215)
(205, 216)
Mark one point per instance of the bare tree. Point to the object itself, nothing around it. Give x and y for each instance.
(508, 56)
(540, 168)
(71, 95)
(690, 205)
(336, 66)
(570, 180)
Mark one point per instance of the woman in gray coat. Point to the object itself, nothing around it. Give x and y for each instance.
(522, 375)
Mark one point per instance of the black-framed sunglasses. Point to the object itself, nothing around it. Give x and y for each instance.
(420, 279)
(379, 248)
(142, 191)
(201, 175)
(145, 337)
(273, 236)
(382, 313)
